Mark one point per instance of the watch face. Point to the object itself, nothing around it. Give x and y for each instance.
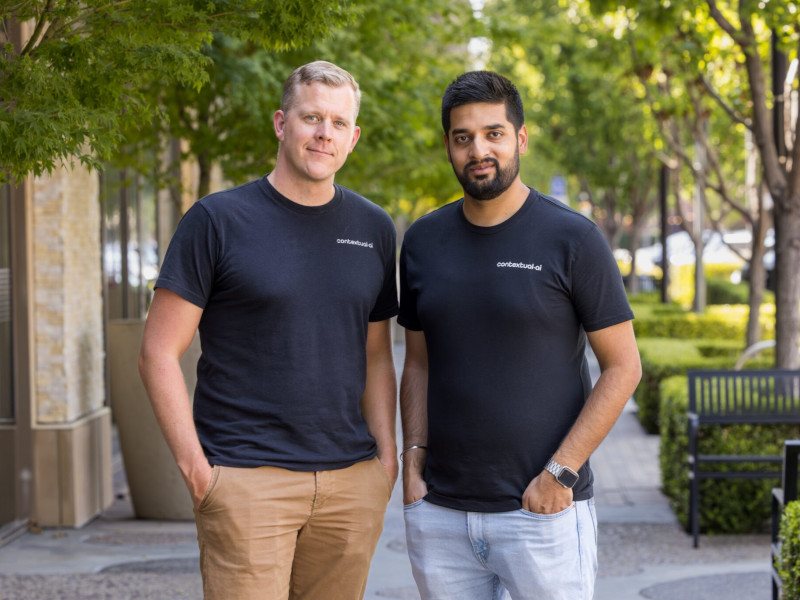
(567, 477)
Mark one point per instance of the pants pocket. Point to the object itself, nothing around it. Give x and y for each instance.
(549, 517)
(384, 476)
(212, 485)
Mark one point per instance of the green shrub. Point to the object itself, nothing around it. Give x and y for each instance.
(789, 560)
(666, 357)
(645, 298)
(738, 313)
(648, 311)
(688, 325)
(730, 349)
(717, 322)
(722, 291)
(726, 505)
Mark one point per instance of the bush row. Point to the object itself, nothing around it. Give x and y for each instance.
(666, 357)
(727, 506)
(723, 321)
(789, 561)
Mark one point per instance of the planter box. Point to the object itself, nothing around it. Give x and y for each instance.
(156, 486)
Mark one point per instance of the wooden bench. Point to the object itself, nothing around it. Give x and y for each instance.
(736, 397)
(780, 498)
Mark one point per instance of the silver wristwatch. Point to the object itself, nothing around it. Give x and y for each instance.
(564, 475)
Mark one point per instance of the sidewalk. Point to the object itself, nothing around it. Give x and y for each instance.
(643, 553)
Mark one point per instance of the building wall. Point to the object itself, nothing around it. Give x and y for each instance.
(72, 427)
(68, 304)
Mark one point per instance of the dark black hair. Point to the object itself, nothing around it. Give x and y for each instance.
(482, 86)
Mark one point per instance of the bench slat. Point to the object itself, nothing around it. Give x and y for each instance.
(739, 458)
(737, 474)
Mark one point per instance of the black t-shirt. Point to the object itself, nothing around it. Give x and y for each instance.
(504, 310)
(287, 292)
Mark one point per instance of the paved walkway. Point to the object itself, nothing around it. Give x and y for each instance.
(643, 553)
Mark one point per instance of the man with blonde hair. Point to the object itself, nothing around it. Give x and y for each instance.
(290, 456)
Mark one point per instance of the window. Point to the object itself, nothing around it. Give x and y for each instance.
(130, 243)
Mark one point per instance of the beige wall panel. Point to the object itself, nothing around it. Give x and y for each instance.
(77, 459)
(101, 440)
(47, 495)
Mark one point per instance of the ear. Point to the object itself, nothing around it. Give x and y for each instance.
(356, 136)
(279, 123)
(522, 139)
(447, 146)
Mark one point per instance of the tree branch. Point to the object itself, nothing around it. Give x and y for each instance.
(732, 112)
(726, 25)
(59, 24)
(37, 31)
(764, 137)
(712, 157)
(685, 223)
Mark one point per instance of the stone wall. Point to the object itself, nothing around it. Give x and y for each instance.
(68, 308)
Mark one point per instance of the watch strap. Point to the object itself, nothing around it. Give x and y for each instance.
(557, 469)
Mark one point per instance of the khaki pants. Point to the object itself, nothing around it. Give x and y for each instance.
(274, 534)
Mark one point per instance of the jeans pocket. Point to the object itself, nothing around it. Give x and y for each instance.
(414, 504)
(593, 513)
(212, 485)
(549, 517)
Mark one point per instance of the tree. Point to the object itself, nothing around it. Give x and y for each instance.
(749, 27)
(83, 75)
(586, 110)
(399, 161)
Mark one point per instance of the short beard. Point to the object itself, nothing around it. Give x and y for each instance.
(488, 189)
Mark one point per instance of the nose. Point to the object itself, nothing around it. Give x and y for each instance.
(324, 130)
(478, 149)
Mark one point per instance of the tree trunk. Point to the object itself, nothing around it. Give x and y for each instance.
(633, 280)
(204, 176)
(608, 218)
(758, 278)
(787, 293)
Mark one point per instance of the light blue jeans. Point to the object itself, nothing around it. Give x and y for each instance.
(457, 555)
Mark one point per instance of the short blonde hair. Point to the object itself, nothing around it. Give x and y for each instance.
(319, 71)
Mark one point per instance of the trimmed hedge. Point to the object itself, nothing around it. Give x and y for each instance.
(671, 341)
(727, 506)
(666, 357)
(649, 311)
(727, 321)
(789, 561)
(687, 326)
(645, 298)
(681, 288)
(723, 291)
